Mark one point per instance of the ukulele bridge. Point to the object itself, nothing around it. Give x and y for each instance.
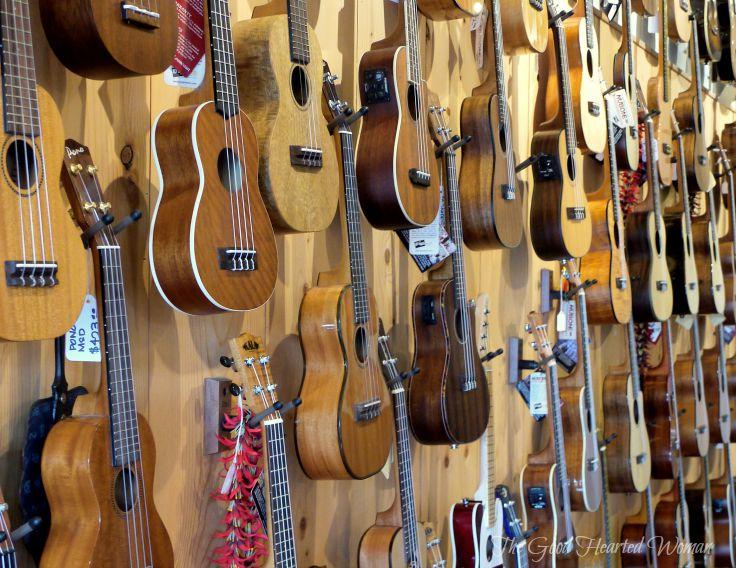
(367, 411)
(138, 16)
(661, 285)
(621, 283)
(508, 192)
(468, 384)
(576, 213)
(305, 156)
(237, 259)
(418, 177)
(594, 109)
(20, 274)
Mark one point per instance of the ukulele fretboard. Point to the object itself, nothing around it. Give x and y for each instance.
(298, 31)
(282, 526)
(224, 73)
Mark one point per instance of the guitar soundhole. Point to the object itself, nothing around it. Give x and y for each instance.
(460, 326)
(658, 243)
(126, 490)
(636, 411)
(699, 123)
(571, 171)
(502, 136)
(230, 170)
(589, 62)
(21, 164)
(412, 99)
(489, 548)
(361, 345)
(300, 86)
(698, 391)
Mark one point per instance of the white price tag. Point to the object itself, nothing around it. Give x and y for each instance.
(621, 113)
(567, 320)
(83, 339)
(175, 79)
(478, 25)
(538, 394)
(426, 240)
(655, 330)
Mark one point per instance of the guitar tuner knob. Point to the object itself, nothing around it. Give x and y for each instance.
(528, 327)
(91, 169)
(89, 205)
(104, 206)
(235, 389)
(226, 361)
(76, 169)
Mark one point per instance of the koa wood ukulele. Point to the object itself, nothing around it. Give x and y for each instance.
(98, 469)
(397, 171)
(448, 398)
(261, 393)
(211, 247)
(279, 66)
(343, 427)
(44, 280)
(101, 39)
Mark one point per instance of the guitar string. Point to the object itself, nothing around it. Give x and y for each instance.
(414, 71)
(303, 25)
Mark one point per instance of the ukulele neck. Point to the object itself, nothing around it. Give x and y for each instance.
(653, 173)
(628, 39)
(697, 76)
(563, 70)
(633, 357)
(298, 31)
(224, 73)
(456, 230)
(589, 30)
(411, 30)
(664, 54)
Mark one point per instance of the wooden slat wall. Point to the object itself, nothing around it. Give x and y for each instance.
(173, 353)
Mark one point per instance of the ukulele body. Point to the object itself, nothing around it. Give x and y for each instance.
(701, 523)
(683, 267)
(439, 411)
(636, 554)
(489, 219)
(390, 138)
(669, 529)
(728, 268)
(651, 285)
(698, 163)
(694, 431)
(525, 26)
(662, 433)
(627, 146)
(88, 525)
(92, 39)
(709, 33)
(662, 128)
(29, 313)
(283, 101)
(194, 222)
(382, 546)
(474, 543)
(645, 7)
(709, 268)
(558, 189)
(717, 397)
(629, 460)
(341, 372)
(678, 20)
(726, 65)
(606, 263)
(724, 524)
(447, 9)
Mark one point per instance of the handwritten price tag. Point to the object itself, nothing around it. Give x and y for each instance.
(83, 339)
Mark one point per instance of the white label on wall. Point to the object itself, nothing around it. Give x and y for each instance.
(83, 339)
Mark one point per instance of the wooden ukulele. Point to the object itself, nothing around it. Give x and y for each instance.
(638, 534)
(646, 245)
(261, 389)
(726, 65)
(678, 15)
(279, 65)
(559, 219)
(514, 531)
(727, 246)
(343, 428)
(708, 259)
(100, 39)
(724, 515)
(716, 383)
(688, 109)
(610, 301)
(476, 525)
(585, 78)
(544, 486)
(629, 462)
(396, 539)
(491, 197)
(397, 173)
(709, 36)
(700, 506)
(211, 246)
(98, 469)
(526, 22)
(44, 281)
(448, 398)
(624, 77)
(578, 410)
(8, 557)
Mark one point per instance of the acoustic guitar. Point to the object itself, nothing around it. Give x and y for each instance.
(397, 172)
(726, 65)
(700, 506)
(544, 486)
(624, 77)
(211, 245)
(279, 66)
(724, 515)
(99, 39)
(45, 280)
(261, 392)
(476, 525)
(491, 197)
(717, 383)
(8, 556)
(448, 398)
(560, 223)
(98, 469)
(343, 427)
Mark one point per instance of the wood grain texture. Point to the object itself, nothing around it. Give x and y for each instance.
(382, 546)
(709, 268)
(698, 161)
(724, 546)
(448, 9)
(655, 99)
(717, 397)
(525, 27)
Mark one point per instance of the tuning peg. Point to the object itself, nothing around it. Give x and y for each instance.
(134, 217)
(226, 361)
(76, 169)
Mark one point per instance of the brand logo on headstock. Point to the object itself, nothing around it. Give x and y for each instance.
(251, 345)
(71, 153)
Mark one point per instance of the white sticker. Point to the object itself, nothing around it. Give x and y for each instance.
(538, 394)
(426, 240)
(567, 320)
(175, 79)
(83, 339)
(478, 25)
(620, 109)
(653, 25)
(655, 330)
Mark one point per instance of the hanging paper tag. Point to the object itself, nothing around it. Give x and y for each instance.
(654, 330)
(478, 25)
(426, 240)
(729, 332)
(622, 114)
(187, 69)
(567, 320)
(538, 395)
(430, 249)
(83, 339)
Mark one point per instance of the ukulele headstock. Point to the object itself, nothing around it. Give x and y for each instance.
(572, 272)
(253, 364)
(390, 371)
(434, 550)
(441, 132)
(336, 106)
(538, 328)
(482, 311)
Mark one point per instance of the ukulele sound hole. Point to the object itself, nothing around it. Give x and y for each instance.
(21, 164)
(502, 137)
(489, 548)
(589, 62)
(460, 324)
(126, 490)
(412, 99)
(658, 243)
(698, 391)
(230, 170)
(361, 345)
(300, 86)
(636, 411)
(571, 171)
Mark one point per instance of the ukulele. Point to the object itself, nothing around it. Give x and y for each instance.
(448, 398)
(477, 524)
(514, 530)
(688, 108)
(450, 9)
(628, 459)
(585, 78)
(253, 365)
(396, 538)
(716, 386)
(559, 219)
(578, 411)
(639, 537)
(544, 485)
(709, 38)
(728, 241)
(211, 245)
(724, 515)
(678, 16)
(646, 245)
(491, 198)
(397, 172)
(98, 469)
(700, 506)
(726, 65)
(7, 547)
(100, 39)
(279, 63)
(610, 301)
(338, 329)
(624, 77)
(45, 280)
(528, 20)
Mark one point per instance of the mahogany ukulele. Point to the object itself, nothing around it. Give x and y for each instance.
(343, 428)
(624, 77)
(700, 505)
(726, 65)
(98, 469)
(560, 223)
(261, 390)
(491, 197)
(709, 36)
(100, 39)
(211, 246)
(448, 398)
(397, 172)
(44, 281)
(717, 383)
